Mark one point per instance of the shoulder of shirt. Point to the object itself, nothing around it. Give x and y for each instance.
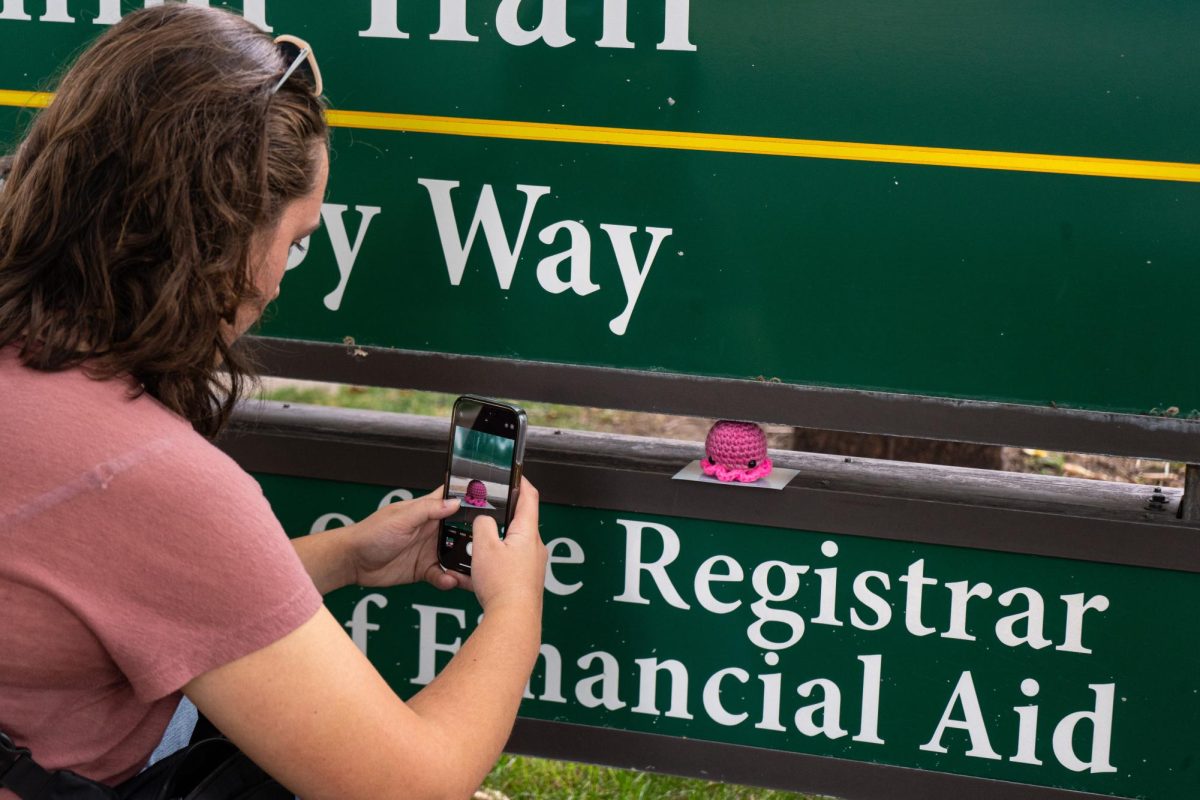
(71, 401)
(82, 424)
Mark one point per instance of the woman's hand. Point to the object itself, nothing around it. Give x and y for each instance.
(398, 544)
(512, 568)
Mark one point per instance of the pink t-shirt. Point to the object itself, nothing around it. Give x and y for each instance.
(134, 556)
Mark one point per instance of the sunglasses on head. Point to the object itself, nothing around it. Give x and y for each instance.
(299, 55)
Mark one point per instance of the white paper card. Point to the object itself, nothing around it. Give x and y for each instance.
(778, 478)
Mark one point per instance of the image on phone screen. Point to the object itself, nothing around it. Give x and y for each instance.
(486, 447)
(480, 470)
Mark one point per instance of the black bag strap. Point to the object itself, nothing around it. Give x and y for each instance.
(30, 781)
(235, 777)
(205, 730)
(210, 768)
(20, 773)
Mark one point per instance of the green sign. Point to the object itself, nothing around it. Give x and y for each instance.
(993, 201)
(1019, 668)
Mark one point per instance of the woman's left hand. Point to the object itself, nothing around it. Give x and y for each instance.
(398, 544)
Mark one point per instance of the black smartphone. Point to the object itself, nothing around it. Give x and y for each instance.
(483, 470)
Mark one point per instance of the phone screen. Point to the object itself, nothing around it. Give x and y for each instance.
(485, 452)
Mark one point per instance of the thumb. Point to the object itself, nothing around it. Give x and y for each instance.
(440, 578)
(483, 529)
(427, 507)
(439, 507)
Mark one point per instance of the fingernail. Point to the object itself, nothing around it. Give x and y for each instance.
(451, 502)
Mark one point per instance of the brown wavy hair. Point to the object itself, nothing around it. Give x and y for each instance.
(135, 212)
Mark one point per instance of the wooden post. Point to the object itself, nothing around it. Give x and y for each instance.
(1189, 505)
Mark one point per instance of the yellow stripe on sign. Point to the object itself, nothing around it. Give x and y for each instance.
(768, 146)
(727, 143)
(25, 99)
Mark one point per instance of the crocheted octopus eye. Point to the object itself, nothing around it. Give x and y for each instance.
(736, 451)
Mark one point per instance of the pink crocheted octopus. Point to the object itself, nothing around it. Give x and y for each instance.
(476, 494)
(736, 451)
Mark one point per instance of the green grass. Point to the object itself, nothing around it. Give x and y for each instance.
(434, 404)
(521, 778)
(1051, 463)
(399, 400)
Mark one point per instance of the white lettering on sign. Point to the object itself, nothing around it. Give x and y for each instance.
(384, 15)
(1101, 719)
(829, 582)
(1027, 720)
(344, 253)
(359, 625)
(1081, 741)
(788, 701)
(779, 583)
(1033, 617)
(823, 718)
(635, 566)
(506, 249)
(765, 613)
(56, 11)
(428, 643)
(550, 29)
(960, 593)
(872, 600)
(916, 580)
(108, 12)
(1077, 606)
(771, 701)
(578, 256)
(868, 725)
(608, 681)
(574, 555)
(649, 669)
(973, 722)
(633, 275)
(487, 216)
(616, 25)
(712, 697)
(453, 27)
(552, 685)
(705, 576)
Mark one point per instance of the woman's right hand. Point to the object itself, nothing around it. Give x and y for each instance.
(512, 569)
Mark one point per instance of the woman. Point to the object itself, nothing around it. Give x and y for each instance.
(145, 221)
